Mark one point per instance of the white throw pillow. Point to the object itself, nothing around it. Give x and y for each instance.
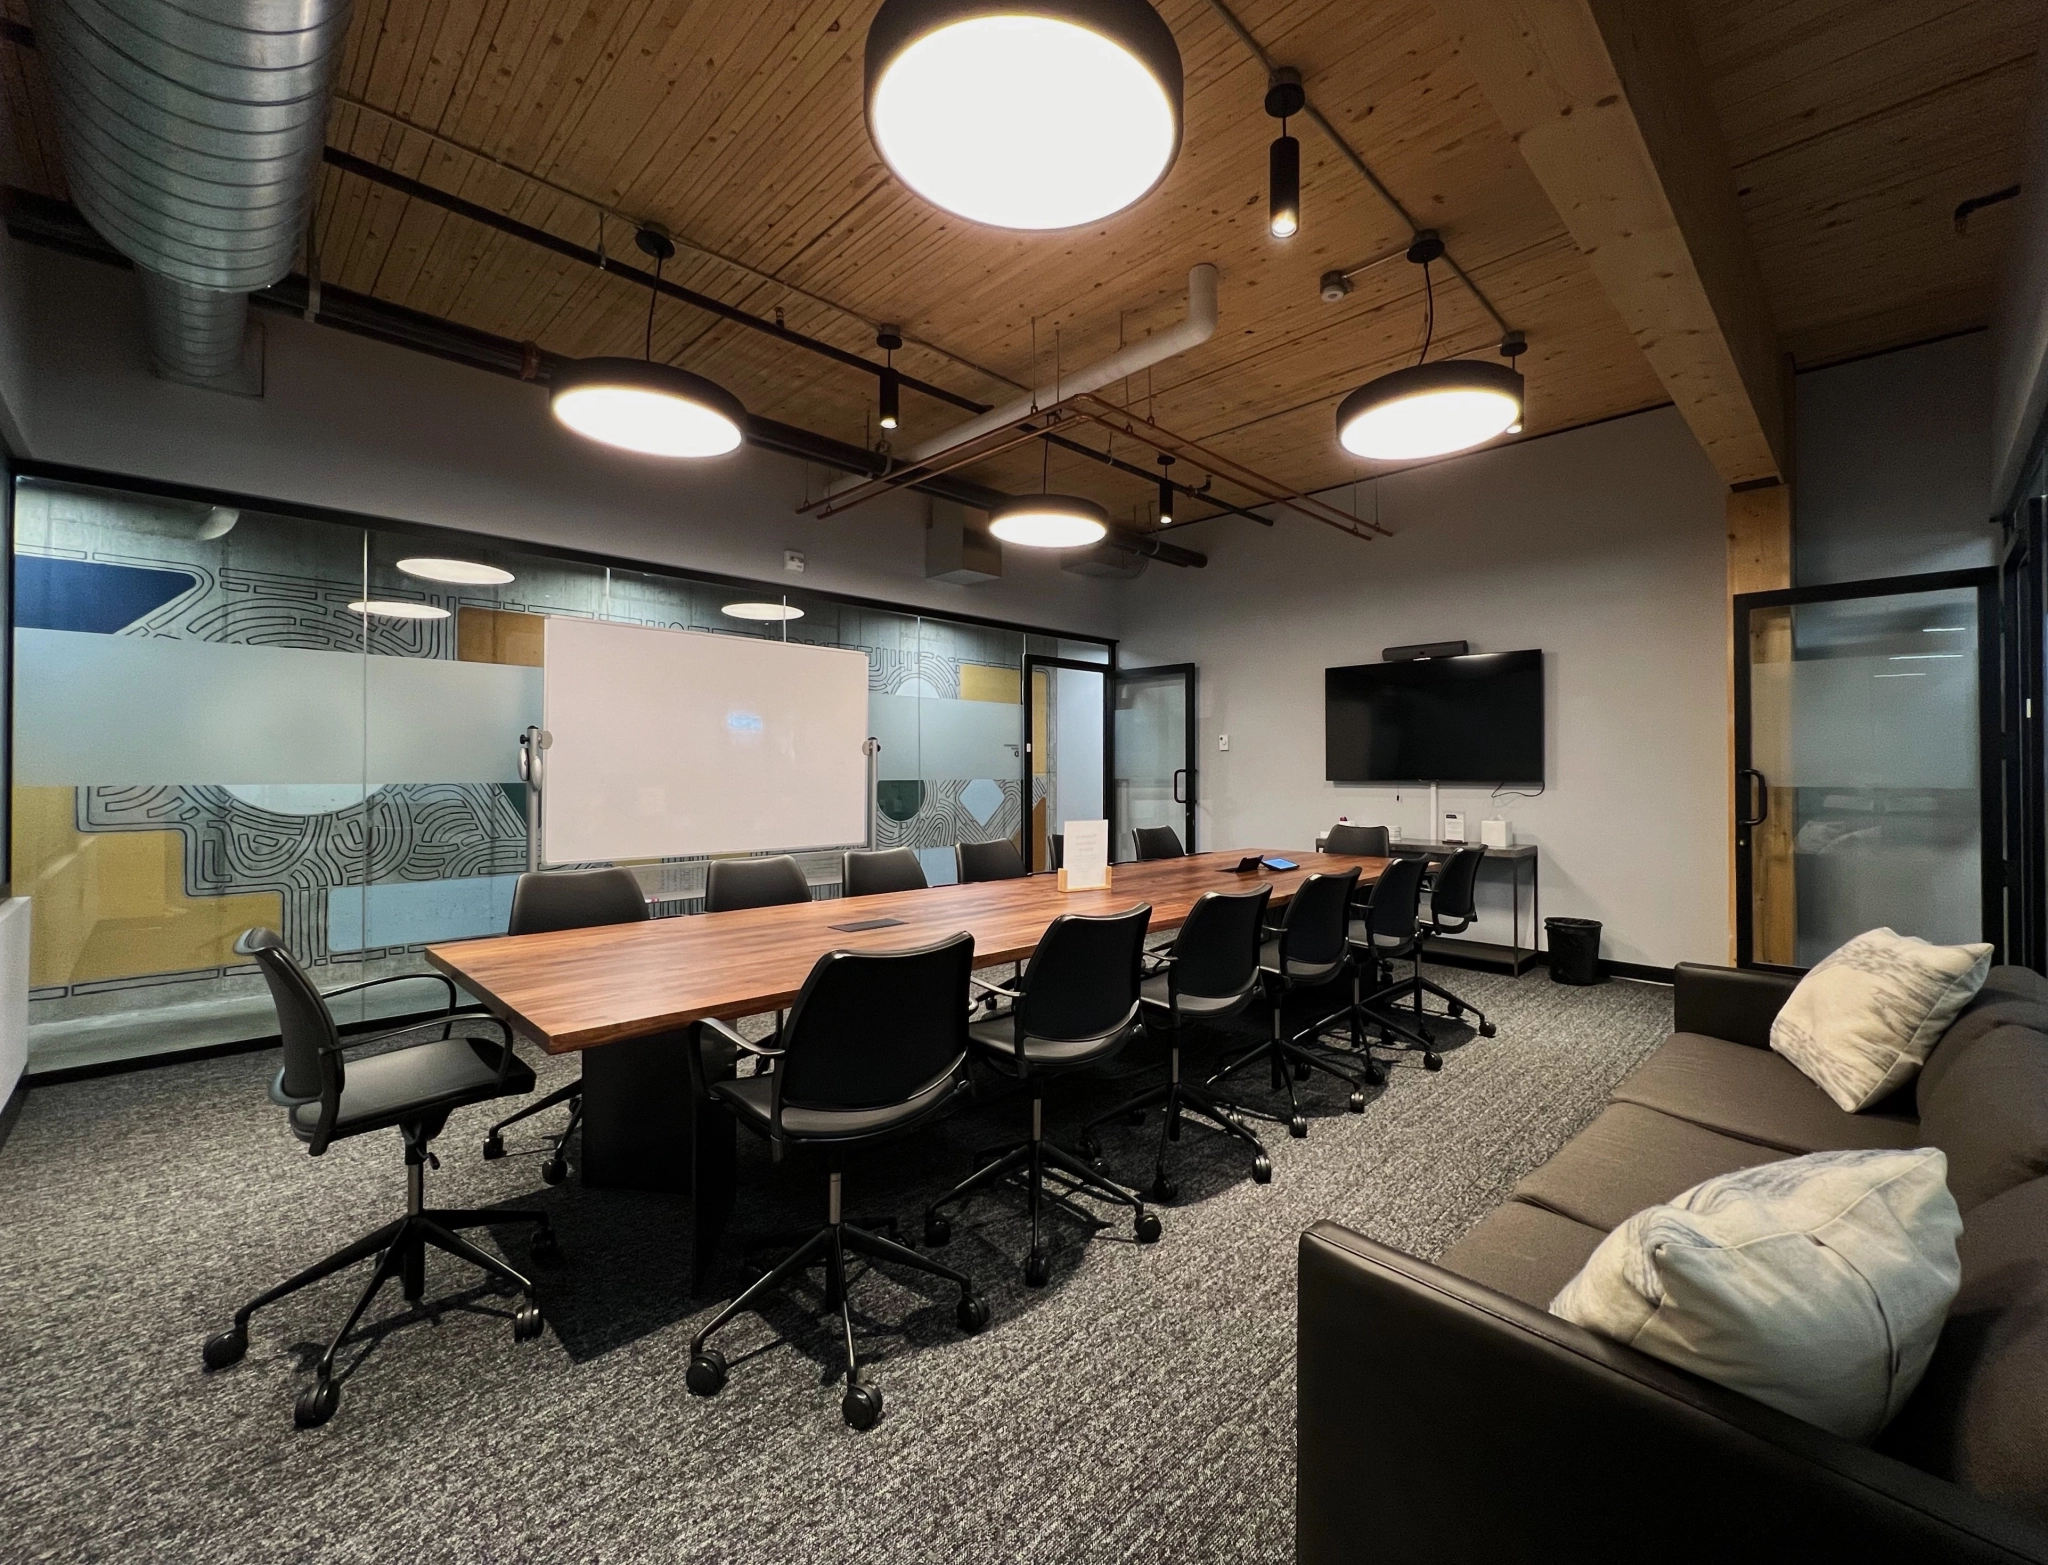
(1817, 1285)
(1863, 1022)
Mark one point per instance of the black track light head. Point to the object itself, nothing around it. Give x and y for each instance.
(889, 338)
(1165, 492)
(1284, 97)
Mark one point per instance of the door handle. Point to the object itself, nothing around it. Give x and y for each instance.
(1759, 794)
(1178, 774)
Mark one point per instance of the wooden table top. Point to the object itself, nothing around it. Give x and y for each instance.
(576, 988)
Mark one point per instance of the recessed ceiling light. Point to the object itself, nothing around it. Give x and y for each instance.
(1050, 521)
(655, 409)
(1048, 114)
(763, 611)
(467, 573)
(1938, 630)
(1430, 410)
(396, 608)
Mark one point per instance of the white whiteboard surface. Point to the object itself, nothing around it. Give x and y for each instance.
(675, 742)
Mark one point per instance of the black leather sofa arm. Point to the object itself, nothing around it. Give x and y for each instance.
(1440, 1421)
(1727, 1002)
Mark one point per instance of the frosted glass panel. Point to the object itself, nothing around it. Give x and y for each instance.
(932, 737)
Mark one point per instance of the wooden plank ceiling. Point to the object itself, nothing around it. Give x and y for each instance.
(1855, 127)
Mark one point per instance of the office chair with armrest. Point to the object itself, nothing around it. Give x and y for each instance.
(1387, 933)
(869, 872)
(1074, 1008)
(544, 901)
(1452, 908)
(1308, 951)
(733, 884)
(1156, 842)
(411, 1089)
(1211, 974)
(998, 860)
(876, 1045)
(1361, 842)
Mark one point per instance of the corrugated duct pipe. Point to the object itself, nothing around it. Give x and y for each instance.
(191, 136)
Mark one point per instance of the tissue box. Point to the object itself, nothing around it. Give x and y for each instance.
(1497, 833)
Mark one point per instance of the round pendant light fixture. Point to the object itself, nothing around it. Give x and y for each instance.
(762, 611)
(1050, 521)
(396, 608)
(1426, 410)
(465, 573)
(1033, 114)
(639, 405)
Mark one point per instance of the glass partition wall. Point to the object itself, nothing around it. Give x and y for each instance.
(226, 718)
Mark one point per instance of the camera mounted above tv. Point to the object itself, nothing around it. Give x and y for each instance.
(1426, 649)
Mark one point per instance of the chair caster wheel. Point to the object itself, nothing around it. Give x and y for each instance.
(860, 1407)
(972, 1314)
(1456, 1013)
(1164, 1189)
(1262, 1170)
(1432, 1062)
(526, 1322)
(1037, 1269)
(937, 1231)
(1357, 1103)
(545, 1249)
(494, 1147)
(1300, 1070)
(1148, 1229)
(227, 1348)
(316, 1404)
(1376, 1074)
(1090, 1148)
(1297, 1127)
(1488, 1030)
(554, 1170)
(706, 1374)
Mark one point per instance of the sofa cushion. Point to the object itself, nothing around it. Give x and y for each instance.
(1523, 1251)
(1990, 1115)
(1862, 1021)
(1817, 1285)
(1983, 1016)
(2018, 983)
(1980, 1417)
(1755, 1095)
(1631, 1157)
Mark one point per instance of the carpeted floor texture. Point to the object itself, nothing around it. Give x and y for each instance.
(1141, 1407)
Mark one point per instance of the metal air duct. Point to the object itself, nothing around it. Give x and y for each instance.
(191, 134)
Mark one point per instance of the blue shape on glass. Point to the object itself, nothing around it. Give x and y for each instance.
(89, 595)
(743, 722)
(414, 912)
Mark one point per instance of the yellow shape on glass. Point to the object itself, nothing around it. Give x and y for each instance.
(989, 682)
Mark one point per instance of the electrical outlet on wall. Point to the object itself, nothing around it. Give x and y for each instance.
(793, 560)
(1223, 741)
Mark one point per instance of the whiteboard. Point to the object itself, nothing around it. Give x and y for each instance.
(666, 743)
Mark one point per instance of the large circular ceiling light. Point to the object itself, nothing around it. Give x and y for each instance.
(763, 611)
(466, 573)
(1430, 410)
(1032, 114)
(655, 409)
(396, 608)
(1050, 521)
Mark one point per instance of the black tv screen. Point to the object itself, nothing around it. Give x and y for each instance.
(1474, 719)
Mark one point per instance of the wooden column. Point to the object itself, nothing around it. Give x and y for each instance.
(1760, 560)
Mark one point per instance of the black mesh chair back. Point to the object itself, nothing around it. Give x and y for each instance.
(872, 1029)
(1156, 842)
(1216, 953)
(732, 884)
(1058, 843)
(1082, 981)
(998, 860)
(1396, 904)
(304, 1022)
(544, 901)
(1451, 904)
(1363, 842)
(1317, 925)
(867, 873)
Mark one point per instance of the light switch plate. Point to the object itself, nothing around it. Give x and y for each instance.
(1223, 741)
(793, 560)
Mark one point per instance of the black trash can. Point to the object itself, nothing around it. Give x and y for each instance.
(1574, 950)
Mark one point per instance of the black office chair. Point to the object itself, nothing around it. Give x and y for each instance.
(998, 860)
(1389, 932)
(876, 1045)
(869, 872)
(1074, 1008)
(544, 901)
(1309, 950)
(1058, 843)
(733, 884)
(1211, 974)
(1452, 907)
(1362, 842)
(411, 1089)
(1156, 842)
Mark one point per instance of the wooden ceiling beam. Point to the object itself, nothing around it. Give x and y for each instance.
(1608, 103)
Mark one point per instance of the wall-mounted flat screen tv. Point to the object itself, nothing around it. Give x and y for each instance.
(1468, 720)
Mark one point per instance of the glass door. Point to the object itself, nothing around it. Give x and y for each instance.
(1865, 733)
(1067, 741)
(1155, 752)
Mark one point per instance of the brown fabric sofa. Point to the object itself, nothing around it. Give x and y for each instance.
(1446, 1415)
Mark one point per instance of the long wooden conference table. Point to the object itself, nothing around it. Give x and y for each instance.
(629, 996)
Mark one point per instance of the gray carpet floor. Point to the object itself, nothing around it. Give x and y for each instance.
(1141, 1407)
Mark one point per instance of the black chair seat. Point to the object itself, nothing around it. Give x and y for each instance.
(1298, 972)
(996, 1040)
(417, 1082)
(1153, 991)
(752, 1097)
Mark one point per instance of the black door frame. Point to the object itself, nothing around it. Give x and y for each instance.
(1984, 579)
(2022, 575)
(1033, 662)
(1193, 773)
